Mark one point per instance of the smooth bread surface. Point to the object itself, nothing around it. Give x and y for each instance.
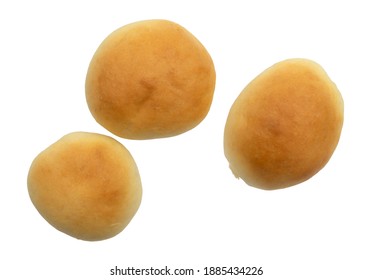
(86, 185)
(284, 126)
(150, 79)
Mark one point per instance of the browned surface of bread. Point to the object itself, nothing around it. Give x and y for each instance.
(284, 126)
(150, 79)
(86, 185)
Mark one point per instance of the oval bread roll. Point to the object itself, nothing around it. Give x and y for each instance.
(284, 126)
(86, 185)
(150, 79)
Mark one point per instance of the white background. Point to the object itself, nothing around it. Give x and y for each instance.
(194, 212)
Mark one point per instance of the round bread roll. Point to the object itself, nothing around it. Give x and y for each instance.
(284, 126)
(150, 79)
(86, 185)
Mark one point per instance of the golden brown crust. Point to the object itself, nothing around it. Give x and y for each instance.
(150, 79)
(284, 126)
(86, 185)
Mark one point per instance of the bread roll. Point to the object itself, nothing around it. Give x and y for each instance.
(284, 126)
(150, 79)
(86, 185)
